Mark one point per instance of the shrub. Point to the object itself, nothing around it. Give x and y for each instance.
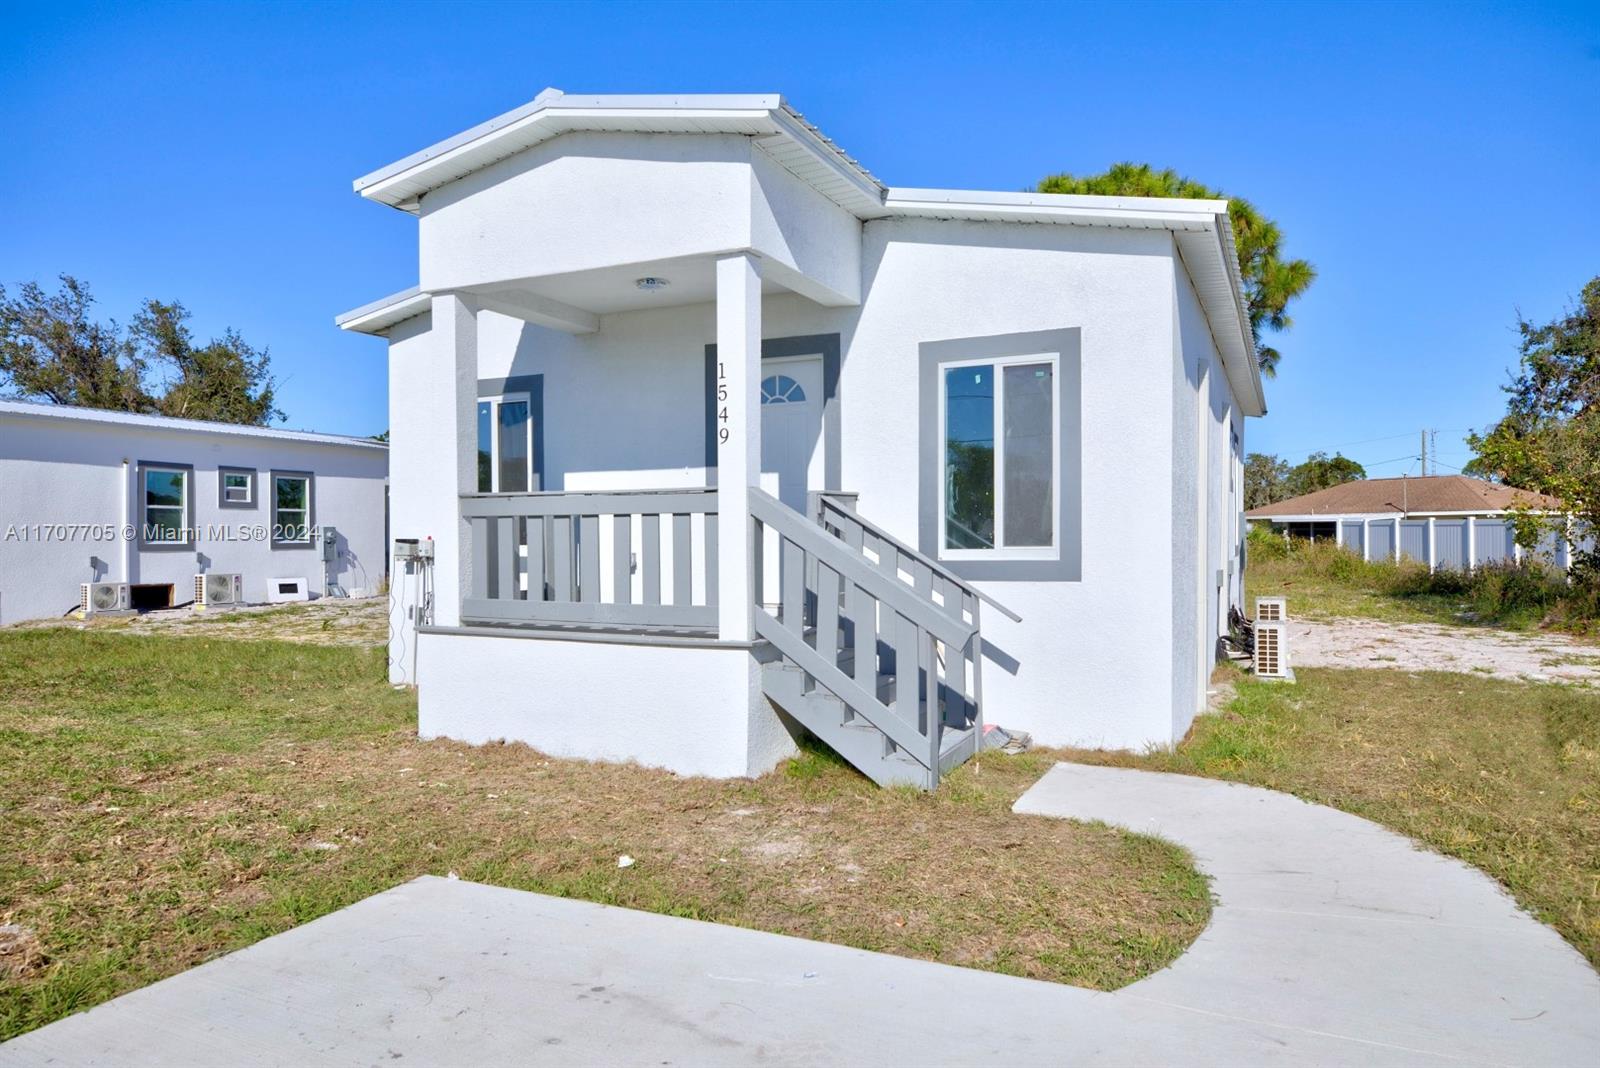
(1262, 543)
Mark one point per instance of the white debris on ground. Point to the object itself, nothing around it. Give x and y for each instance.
(1501, 654)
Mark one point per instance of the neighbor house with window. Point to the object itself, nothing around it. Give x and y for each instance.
(1455, 522)
(149, 502)
(712, 437)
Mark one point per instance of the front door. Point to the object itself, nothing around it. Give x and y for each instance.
(791, 426)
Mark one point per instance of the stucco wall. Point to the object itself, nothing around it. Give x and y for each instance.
(1202, 430)
(692, 710)
(55, 471)
(1079, 669)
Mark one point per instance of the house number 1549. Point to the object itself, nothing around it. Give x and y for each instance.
(722, 404)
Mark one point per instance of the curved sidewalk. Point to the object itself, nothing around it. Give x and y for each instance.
(1329, 926)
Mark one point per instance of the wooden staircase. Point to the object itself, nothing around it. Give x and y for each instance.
(872, 647)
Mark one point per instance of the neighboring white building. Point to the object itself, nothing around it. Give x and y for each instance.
(99, 496)
(634, 313)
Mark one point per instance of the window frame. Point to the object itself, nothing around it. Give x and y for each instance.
(186, 509)
(495, 400)
(1067, 344)
(310, 539)
(1001, 551)
(251, 500)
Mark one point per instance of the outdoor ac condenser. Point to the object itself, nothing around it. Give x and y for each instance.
(214, 589)
(1271, 660)
(1270, 609)
(104, 597)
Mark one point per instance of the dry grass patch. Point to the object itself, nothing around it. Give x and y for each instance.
(1503, 775)
(168, 800)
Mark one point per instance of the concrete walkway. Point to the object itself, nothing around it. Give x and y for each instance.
(1334, 943)
(1327, 925)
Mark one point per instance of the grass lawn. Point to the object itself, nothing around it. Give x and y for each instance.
(1503, 775)
(167, 799)
(1356, 592)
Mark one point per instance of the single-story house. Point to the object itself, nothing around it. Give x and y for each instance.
(704, 434)
(148, 503)
(1451, 521)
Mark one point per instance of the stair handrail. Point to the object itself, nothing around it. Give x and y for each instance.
(827, 500)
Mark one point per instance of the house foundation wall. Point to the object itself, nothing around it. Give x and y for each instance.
(690, 709)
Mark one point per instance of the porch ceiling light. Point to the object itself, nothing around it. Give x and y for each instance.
(651, 284)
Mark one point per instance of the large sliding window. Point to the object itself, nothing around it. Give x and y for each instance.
(506, 444)
(1000, 465)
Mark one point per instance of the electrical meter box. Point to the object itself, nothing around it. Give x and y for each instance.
(330, 544)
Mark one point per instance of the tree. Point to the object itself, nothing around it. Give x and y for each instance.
(226, 380)
(1549, 439)
(52, 349)
(1270, 281)
(1320, 471)
(1264, 478)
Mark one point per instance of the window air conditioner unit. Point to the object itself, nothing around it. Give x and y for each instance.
(216, 588)
(1271, 658)
(1271, 609)
(104, 597)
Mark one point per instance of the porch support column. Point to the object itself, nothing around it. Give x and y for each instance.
(455, 382)
(736, 424)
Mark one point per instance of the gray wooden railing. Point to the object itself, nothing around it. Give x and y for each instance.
(540, 558)
(849, 623)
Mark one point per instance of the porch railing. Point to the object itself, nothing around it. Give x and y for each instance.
(632, 558)
(871, 639)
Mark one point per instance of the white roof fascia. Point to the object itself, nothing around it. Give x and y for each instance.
(1162, 213)
(553, 113)
(45, 410)
(380, 315)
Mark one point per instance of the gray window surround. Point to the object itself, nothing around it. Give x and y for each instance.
(187, 544)
(533, 386)
(222, 491)
(777, 348)
(1066, 344)
(311, 509)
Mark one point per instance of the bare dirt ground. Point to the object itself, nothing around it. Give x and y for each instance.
(325, 621)
(1501, 654)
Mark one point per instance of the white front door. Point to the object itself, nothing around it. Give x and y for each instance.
(791, 427)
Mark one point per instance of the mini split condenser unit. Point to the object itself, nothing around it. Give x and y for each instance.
(1271, 632)
(217, 588)
(104, 597)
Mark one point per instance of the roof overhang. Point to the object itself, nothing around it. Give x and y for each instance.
(783, 133)
(380, 315)
(1201, 230)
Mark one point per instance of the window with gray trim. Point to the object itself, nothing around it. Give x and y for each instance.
(511, 434)
(293, 509)
(1000, 465)
(165, 506)
(236, 487)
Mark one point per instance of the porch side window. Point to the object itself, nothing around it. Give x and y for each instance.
(166, 504)
(505, 444)
(291, 509)
(1000, 458)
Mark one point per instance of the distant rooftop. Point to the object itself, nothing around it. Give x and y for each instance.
(46, 410)
(1430, 493)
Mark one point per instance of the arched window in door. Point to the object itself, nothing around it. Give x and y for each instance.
(781, 389)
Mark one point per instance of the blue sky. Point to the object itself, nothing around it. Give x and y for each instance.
(1440, 164)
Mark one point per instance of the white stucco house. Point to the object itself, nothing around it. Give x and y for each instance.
(716, 436)
(149, 502)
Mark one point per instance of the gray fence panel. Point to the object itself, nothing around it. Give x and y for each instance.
(1450, 543)
(1382, 534)
(1414, 539)
(1495, 541)
(1352, 536)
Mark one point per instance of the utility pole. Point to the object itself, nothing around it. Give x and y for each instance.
(1424, 454)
